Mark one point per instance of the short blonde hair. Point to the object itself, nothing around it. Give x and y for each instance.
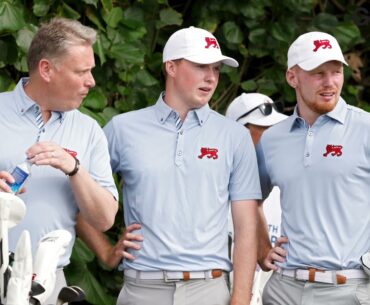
(53, 39)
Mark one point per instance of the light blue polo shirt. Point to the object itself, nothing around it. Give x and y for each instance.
(323, 172)
(49, 198)
(177, 183)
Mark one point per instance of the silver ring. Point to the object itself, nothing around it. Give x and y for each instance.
(52, 154)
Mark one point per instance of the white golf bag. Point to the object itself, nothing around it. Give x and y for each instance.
(12, 211)
(19, 286)
(49, 250)
(16, 280)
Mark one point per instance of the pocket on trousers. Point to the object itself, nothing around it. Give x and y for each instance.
(362, 294)
(123, 298)
(224, 291)
(226, 285)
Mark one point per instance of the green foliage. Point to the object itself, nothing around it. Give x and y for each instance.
(88, 274)
(131, 37)
(11, 16)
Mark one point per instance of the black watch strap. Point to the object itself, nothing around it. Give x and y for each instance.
(75, 170)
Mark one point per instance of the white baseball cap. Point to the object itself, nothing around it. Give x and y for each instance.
(312, 49)
(365, 260)
(196, 45)
(254, 108)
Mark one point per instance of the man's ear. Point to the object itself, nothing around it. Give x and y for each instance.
(45, 68)
(170, 67)
(291, 77)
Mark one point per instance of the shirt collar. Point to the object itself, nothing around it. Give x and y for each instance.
(25, 103)
(163, 111)
(202, 114)
(338, 114)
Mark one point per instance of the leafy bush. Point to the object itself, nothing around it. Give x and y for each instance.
(128, 63)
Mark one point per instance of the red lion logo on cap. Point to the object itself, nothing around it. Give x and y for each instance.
(324, 43)
(334, 150)
(211, 42)
(209, 152)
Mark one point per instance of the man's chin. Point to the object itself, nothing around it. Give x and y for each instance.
(326, 107)
(70, 108)
(201, 102)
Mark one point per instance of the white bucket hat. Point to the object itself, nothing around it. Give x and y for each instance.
(312, 49)
(254, 108)
(196, 45)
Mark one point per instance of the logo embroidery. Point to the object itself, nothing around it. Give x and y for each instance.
(71, 152)
(324, 43)
(209, 152)
(334, 150)
(211, 42)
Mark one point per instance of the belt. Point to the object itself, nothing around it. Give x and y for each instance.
(169, 276)
(324, 276)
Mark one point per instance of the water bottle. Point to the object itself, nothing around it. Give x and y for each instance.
(20, 174)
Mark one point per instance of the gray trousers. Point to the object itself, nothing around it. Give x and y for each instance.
(284, 290)
(158, 292)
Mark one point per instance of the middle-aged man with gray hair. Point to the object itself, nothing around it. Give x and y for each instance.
(319, 157)
(39, 121)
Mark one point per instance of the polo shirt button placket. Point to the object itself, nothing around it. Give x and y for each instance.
(179, 148)
(308, 148)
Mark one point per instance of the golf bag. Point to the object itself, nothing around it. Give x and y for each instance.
(24, 283)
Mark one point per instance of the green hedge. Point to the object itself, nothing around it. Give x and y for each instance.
(128, 63)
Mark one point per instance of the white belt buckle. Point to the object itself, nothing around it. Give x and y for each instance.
(300, 277)
(339, 279)
(169, 280)
(334, 277)
(295, 275)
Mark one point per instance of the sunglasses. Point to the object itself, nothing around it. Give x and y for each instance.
(266, 109)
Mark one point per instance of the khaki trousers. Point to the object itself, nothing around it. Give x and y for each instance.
(158, 292)
(284, 290)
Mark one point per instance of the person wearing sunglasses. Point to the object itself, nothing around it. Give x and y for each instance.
(255, 111)
(258, 112)
(319, 157)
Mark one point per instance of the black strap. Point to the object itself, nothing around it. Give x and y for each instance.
(75, 170)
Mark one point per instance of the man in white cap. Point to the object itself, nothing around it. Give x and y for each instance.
(181, 164)
(319, 158)
(257, 112)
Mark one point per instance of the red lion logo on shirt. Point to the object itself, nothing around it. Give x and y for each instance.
(211, 42)
(209, 152)
(334, 150)
(324, 43)
(71, 152)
